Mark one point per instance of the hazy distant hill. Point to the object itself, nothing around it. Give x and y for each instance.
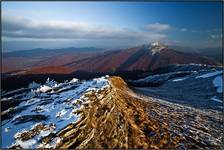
(43, 51)
(144, 58)
(215, 52)
(23, 60)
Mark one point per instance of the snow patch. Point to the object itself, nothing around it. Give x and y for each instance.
(7, 129)
(74, 80)
(26, 144)
(218, 83)
(60, 114)
(52, 144)
(44, 134)
(44, 89)
(214, 98)
(211, 74)
(57, 106)
(179, 79)
(156, 48)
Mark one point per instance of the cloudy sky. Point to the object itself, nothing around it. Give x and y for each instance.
(28, 25)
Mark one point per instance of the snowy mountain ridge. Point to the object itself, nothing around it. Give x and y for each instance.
(45, 109)
(105, 113)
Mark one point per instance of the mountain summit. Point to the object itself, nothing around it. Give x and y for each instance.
(141, 58)
(156, 47)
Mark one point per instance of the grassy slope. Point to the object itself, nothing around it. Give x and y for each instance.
(117, 118)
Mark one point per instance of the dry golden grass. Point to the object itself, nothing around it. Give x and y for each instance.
(117, 119)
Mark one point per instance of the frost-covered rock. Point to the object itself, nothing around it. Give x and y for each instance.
(50, 83)
(44, 89)
(74, 80)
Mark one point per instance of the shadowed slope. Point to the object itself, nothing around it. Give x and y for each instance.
(143, 58)
(138, 58)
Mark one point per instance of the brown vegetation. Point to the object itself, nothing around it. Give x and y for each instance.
(110, 61)
(117, 118)
(49, 70)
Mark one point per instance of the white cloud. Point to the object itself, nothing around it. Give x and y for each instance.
(157, 27)
(18, 28)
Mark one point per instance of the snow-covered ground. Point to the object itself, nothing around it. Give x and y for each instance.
(210, 74)
(49, 106)
(163, 77)
(218, 83)
(214, 98)
(200, 88)
(179, 79)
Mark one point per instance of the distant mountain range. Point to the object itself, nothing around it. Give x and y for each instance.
(43, 51)
(70, 60)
